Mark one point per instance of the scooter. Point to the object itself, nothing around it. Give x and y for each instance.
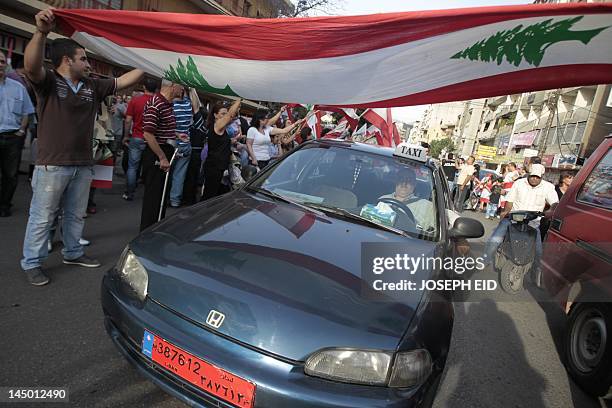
(514, 257)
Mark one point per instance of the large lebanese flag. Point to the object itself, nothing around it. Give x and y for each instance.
(379, 60)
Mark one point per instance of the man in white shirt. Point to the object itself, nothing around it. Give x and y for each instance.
(527, 194)
(466, 171)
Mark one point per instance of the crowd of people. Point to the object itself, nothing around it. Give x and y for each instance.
(179, 149)
(487, 191)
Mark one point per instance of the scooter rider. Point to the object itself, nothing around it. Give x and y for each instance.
(527, 194)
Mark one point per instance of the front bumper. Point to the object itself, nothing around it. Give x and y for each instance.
(280, 383)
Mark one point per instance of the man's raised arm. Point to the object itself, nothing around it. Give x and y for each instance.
(35, 50)
(129, 78)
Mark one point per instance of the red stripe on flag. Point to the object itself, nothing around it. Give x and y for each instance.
(528, 80)
(293, 38)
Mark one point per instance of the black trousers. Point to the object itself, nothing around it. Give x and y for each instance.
(190, 185)
(212, 181)
(154, 179)
(10, 156)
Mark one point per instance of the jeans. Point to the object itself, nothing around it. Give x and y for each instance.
(51, 185)
(497, 237)
(136, 147)
(491, 210)
(179, 170)
(10, 155)
(460, 196)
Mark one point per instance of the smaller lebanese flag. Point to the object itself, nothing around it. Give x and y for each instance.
(396, 135)
(103, 174)
(338, 130)
(361, 133)
(314, 123)
(373, 131)
(378, 118)
(348, 113)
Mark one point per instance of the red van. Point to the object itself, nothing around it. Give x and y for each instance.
(577, 270)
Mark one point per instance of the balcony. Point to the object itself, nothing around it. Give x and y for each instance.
(86, 4)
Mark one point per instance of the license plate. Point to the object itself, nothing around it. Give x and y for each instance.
(213, 380)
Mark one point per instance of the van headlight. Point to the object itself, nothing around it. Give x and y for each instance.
(131, 272)
(370, 367)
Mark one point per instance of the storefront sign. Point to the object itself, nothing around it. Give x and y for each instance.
(564, 162)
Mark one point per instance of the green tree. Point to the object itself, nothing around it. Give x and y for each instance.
(436, 147)
(529, 43)
(188, 75)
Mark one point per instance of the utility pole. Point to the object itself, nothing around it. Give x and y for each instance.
(514, 123)
(552, 103)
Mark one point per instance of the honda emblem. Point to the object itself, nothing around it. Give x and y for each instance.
(215, 319)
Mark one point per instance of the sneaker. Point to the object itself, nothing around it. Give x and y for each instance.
(498, 217)
(91, 210)
(127, 197)
(84, 260)
(84, 242)
(36, 277)
(175, 205)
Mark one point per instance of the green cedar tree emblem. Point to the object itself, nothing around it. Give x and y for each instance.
(530, 42)
(188, 74)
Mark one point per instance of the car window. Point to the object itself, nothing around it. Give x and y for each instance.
(597, 188)
(389, 191)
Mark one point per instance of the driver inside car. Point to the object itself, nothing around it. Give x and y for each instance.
(422, 210)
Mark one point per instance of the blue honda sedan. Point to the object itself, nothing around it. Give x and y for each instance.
(258, 298)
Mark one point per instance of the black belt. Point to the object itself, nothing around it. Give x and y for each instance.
(9, 132)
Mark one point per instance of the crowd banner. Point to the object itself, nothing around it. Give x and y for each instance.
(376, 61)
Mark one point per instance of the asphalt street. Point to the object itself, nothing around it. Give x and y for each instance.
(503, 352)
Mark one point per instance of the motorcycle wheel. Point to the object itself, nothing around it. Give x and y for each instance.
(511, 277)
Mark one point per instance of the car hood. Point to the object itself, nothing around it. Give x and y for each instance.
(287, 280)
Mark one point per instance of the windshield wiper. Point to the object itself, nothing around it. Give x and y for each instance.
(348, 214)
(282, 198)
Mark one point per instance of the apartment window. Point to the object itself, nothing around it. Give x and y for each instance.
(580, 127)
(568, 134)
(552, 136)
(247, 9)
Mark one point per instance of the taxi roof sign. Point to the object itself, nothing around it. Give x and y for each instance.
(411, 151)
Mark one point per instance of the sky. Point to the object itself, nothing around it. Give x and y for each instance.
(355, 7)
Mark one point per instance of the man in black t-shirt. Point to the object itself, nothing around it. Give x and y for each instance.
(450, 170)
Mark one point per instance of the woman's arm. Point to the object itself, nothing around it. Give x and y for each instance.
(276, 117)
(276, 131)
(249, 145)
(222, 123)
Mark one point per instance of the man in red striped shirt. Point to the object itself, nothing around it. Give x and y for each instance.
(159, 128)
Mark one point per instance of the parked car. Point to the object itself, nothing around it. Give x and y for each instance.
(577, 270)
(254, 299)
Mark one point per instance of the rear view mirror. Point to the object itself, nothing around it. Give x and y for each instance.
(466, 228)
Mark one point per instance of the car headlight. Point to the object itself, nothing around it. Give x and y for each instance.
(370, 367)
(131, 272)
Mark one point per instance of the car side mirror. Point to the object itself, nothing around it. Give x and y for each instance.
(465, 227)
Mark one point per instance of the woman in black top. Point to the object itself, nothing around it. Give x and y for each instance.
(219, 145)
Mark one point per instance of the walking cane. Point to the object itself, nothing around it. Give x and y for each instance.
(161, 205)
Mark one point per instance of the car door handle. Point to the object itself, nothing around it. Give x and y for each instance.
(599, 253)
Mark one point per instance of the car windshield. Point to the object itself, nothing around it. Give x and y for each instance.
(385, 192)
